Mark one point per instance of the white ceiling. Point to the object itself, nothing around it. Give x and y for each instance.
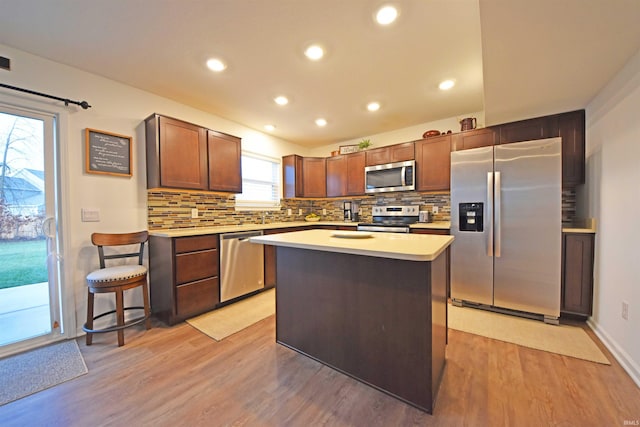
(511, 58)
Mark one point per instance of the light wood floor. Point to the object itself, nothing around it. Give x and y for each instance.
(180, 377)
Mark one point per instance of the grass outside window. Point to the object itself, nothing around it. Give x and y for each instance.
(23, 263)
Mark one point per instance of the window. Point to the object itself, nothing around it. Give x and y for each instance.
(260, 183)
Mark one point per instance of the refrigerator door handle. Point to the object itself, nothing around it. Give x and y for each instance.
(498, 212)
(490, 213)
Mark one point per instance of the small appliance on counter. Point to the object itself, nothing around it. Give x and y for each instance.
(425, 216)
(348, 213)
(355, 212)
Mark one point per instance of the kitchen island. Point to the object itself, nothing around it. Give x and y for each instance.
(370, 305)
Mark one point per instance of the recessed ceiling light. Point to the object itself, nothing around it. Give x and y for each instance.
(269, 127)
(373, 106)
(321, 122)
(446, 85)
(281, 100)
(386, 15)
(314, 52)
(216, 65)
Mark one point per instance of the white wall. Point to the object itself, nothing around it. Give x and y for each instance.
(119, 109)
(612, 196)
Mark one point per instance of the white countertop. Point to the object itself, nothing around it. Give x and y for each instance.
(198, 231)
(411, 247)
(587, 225)
(436, 225)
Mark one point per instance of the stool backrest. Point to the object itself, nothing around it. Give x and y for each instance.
(119, 239)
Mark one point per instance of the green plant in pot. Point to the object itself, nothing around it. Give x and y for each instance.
(364, 144)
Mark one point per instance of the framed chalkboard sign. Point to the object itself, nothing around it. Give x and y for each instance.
(108, 153)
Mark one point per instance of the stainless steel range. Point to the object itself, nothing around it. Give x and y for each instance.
(391, 219)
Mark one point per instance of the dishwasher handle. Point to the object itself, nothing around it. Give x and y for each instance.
(241, 235)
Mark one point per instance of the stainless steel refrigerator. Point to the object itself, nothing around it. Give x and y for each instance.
(506, 217)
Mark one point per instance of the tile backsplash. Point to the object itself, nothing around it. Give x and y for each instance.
(172, 209)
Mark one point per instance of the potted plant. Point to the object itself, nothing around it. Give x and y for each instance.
(364, 144)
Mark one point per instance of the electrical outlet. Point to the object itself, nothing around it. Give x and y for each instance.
(299, 211)
(194, 213)
(435, 210)
(289, 212)
(625, 310)
(324, 211)
(90, 215)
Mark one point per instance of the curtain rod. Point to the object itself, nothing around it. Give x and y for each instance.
(83, 104)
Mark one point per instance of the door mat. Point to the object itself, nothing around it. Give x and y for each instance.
(228, 320)
(561, 339)
(36, 370)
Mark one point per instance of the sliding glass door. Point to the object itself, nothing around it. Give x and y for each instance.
(30, 309)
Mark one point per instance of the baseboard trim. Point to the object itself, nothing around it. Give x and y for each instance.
(627, 363)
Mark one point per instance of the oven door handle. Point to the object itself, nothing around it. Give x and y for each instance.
(403, 175)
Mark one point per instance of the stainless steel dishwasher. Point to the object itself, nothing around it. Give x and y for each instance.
(241, 265)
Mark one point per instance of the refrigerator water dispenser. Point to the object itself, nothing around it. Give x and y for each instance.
(471, 217)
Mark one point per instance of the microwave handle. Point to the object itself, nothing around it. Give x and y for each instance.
(404, 176)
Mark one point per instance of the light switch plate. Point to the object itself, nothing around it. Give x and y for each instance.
(194, 213)
(90, 215)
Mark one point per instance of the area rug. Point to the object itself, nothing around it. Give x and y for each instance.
(561, 339)
(225, 321)
(39, 369)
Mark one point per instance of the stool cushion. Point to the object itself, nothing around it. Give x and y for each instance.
(120, 272)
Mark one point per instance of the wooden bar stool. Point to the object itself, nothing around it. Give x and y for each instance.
(117, 279)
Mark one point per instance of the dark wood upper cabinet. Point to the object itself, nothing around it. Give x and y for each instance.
(292, 176)
(176, 154)
(526, 130)
(337, 176)
(345, 175)
(355, 173)
(433, 163)
(474, 138)
(225, 171)
(304, 176)
(390, 154)
(314, 177)
(571, 127)
(187, 156)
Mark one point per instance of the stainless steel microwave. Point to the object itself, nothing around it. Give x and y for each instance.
(399, 176)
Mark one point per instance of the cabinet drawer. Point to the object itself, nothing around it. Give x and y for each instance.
(197, 297)
(196, 265)
(196, 243)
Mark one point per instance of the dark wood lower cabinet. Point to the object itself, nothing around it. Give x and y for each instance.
(381, 321)
(183, 276)
(270, 256)
(577, 273)
(430, 231)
